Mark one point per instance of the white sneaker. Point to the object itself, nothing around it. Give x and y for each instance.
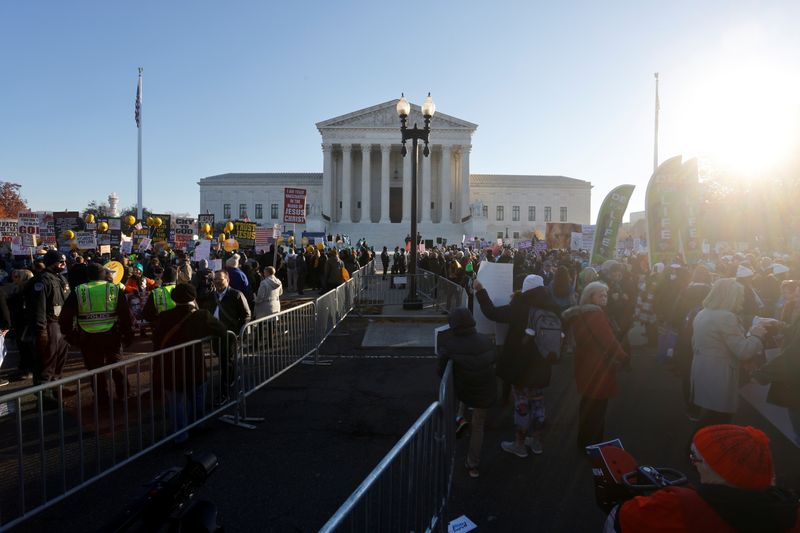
(511, 447)
(534, 444)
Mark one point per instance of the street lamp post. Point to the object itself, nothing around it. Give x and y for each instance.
(415, 134)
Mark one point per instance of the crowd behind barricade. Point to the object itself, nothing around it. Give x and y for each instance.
(51, 301)
(728, 320)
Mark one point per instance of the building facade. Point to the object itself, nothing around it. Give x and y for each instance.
(364, 189)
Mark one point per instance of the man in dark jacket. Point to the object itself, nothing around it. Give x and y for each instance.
(184, 378)
(473, 374)
(230, 306)
(519, 364)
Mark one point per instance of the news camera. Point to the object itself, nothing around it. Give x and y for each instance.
(618, 477)
(167, 505)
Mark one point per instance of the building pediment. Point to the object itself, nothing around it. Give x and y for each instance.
(384, 115)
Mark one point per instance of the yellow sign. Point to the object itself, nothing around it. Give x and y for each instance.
(118, 269)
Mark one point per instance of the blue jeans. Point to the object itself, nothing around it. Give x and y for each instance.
(182, 411)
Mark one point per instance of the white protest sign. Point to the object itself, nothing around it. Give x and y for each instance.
(498, 280)
(576, 240)
(144, 245)
(202, 250)
(215, 264)
(18, 248)
(462, 524)
(8, 229)
(86, 240)
(105, 249)
(126, 247)
(588, 236)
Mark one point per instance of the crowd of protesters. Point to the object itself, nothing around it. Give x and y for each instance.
(717, 324)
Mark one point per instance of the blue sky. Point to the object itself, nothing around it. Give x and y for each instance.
(555, 87)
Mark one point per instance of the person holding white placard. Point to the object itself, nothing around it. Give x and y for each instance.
(520, 365)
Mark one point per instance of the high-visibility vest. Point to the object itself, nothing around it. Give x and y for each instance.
(162, 298)
(97, 306)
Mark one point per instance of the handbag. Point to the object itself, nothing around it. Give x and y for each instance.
(345, 274)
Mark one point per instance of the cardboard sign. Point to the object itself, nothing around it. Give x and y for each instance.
(105, 249)
(63, 221)
(161, 233)
(576, 241)
(245, 233)
(202, 250)
(294, 206)
(184, 232)
(559, 235)
(126, 247)
(202, 219)
(498, 280)
(28, 224)
(47, 229)
(8, 229)
(86, 240)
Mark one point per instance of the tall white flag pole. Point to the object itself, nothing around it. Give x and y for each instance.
(139, 125)
(655, 139)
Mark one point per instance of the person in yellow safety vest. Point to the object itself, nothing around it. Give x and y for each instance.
(160, 298)
(96, 317)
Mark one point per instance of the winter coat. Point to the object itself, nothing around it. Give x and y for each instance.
(473, 356)
(597, 351)
(784, 372)
(517, 364)
(719, 345)
(333, 272)
(689, 300)
(716, 508)
(268, 300)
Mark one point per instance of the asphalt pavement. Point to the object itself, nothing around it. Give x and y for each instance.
(327, 427)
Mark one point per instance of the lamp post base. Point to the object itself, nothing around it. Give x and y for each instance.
(412, 303)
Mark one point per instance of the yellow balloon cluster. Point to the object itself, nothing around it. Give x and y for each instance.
(221, 237)
(150, 221)
(206, 228)
(157, 222)
(229, 227)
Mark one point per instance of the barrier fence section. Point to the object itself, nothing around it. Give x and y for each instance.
(410, 487)
(57, 438)
(376, 294)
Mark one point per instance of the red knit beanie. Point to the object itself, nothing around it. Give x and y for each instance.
(739, 454)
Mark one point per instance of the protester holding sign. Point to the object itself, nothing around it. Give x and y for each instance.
(520, 365)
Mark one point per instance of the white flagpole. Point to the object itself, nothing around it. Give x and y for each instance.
(655, 140)
(139, 174)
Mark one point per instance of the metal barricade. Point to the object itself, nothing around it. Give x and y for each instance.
(410, 487)
(271, 345)
(377, 296)
(59, 437)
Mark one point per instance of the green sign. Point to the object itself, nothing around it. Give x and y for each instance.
(609, 220)
(664, 204)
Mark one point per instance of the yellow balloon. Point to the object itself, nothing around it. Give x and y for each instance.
(102, 227)
(229, 227)
(208, 236)
(150, 221)
(69, 234)
(130, 220)
(89, 218)
(157, 222)
(221, 237)
(280, 240)
(320, 246)
(206, 228)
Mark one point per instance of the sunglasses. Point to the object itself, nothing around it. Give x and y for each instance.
(694, 458)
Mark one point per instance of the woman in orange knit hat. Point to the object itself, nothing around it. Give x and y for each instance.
(736, 491)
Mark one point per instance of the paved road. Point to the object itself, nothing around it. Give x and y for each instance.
(328, 426)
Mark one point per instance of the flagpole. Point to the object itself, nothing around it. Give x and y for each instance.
(139, 173)
(655, 139)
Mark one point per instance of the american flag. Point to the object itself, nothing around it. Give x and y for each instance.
(138, 108)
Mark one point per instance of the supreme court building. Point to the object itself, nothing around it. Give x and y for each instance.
(364, 189)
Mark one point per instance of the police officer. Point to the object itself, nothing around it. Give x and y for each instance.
(44, 298)
(103, 319)
(160, 298)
